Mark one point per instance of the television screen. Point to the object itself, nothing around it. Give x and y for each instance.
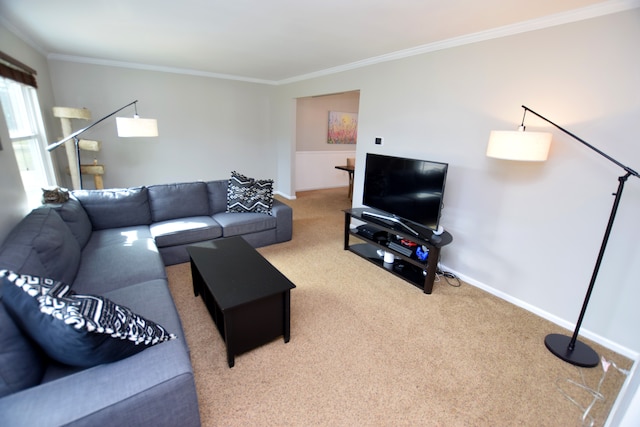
(409, 189)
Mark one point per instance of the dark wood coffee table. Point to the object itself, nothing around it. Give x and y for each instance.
(247, 297)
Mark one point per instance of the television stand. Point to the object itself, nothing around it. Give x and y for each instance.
(390, 219)
(381, 232)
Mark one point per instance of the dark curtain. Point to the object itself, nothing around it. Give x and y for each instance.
(15, 70)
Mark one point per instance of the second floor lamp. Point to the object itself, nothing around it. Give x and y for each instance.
(534, 146)
(127, 127)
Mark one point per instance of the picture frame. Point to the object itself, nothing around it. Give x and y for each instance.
(343, 128)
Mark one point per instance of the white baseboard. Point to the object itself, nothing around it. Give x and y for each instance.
(286, 196)
(620, 349)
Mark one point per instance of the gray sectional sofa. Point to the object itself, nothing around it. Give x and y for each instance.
(113, 244)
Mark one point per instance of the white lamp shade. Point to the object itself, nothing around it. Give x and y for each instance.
(519, 145)
(136, 127)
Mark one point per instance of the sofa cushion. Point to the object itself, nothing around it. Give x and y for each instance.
(185, 230)
(76, 218)
(77, 330)
(169, 201)
(217, 195)
(116, 258)
(246, 194)
(121, 207)
(21, 364)
(42, 245)
(234, 224)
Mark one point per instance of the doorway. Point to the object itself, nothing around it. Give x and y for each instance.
(315, 157)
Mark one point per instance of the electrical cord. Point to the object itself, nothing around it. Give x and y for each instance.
(450, 278)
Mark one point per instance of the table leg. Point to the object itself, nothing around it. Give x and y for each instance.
(287, 316)
(228, 327)
(195, 277)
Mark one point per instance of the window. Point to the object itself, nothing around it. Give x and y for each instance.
(26, 130)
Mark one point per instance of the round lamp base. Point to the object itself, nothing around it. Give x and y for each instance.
(581, 355)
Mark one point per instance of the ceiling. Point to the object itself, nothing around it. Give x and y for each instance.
(272, 41)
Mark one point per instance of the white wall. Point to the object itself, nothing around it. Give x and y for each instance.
(317, 169)
(208, 127)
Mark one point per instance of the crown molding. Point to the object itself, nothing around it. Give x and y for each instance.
(589, 12)
(597, 10)
(148, 67)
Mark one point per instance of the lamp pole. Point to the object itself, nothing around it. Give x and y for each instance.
(572, 350)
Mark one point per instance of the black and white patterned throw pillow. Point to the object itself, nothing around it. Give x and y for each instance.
(246, 194)
(74, 329)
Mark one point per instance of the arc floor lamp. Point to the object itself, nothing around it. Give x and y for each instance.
(534, 146)
(127, 127)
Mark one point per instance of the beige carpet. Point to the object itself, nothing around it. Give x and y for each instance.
(369, 349)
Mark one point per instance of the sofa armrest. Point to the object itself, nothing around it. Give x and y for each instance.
(284, 220)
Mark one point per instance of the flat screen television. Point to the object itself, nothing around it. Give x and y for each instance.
(405, 190)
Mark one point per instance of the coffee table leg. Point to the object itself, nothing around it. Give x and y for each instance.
(287, 316)
(230, 359)
(228, 338)
(195, 277)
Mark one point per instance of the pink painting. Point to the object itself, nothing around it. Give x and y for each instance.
(343, 128)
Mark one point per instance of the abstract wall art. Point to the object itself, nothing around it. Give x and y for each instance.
(343, 128)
